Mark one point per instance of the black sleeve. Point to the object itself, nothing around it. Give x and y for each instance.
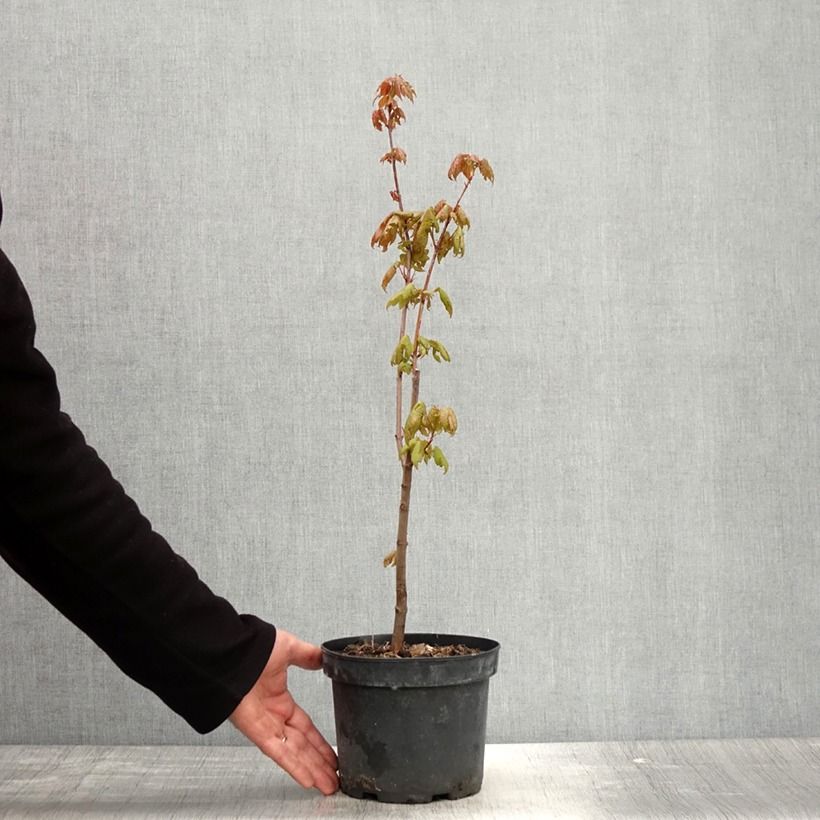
(68, 528)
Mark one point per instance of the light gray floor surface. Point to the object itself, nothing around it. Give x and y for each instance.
(757, 778)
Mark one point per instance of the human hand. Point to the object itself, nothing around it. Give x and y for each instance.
(270, 718)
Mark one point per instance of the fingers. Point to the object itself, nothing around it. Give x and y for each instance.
(304, 655)
(323, 772)
(301, 720)
(301, 760)
(289, 762)
(295, 754)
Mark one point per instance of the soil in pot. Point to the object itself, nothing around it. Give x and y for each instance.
(369, 649)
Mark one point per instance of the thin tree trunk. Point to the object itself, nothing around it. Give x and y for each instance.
(400, 617)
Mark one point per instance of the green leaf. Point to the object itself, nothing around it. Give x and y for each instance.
(460, 217)
(402, 352)
(417, 451)
(404, 297)
(414, 420)
(397, 356)
(445, 243)
(440, 460)
(439, 350)
(420, 258)
(445, 300)
(428, 218)
(458, 241)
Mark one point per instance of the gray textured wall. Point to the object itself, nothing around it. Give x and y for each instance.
(632, 508)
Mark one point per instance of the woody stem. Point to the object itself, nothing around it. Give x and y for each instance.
(400, 612)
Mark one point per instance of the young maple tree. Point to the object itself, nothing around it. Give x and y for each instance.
(423, 240)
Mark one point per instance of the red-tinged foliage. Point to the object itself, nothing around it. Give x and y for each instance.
(396, 116)
(467, 164)
(392, 88)
(486, 171)
(388, 112)
(396, 155)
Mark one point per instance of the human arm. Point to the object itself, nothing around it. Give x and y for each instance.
(68, 527)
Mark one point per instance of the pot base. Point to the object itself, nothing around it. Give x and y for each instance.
(368, 791)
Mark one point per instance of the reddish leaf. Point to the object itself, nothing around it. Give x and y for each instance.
(455, 166)
(486, 170)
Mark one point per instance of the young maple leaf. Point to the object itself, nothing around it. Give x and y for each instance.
(392, 87)
(486, 170)
(379, 119)
(396, 154)
(466, 164)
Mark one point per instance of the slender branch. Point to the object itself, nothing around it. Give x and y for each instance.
(399, 385)
(414, 397)
(395, 171)
(406, 274)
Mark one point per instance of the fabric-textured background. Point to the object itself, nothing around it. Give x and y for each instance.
(632, 507)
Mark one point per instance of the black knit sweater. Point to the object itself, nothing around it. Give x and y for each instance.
(69, 529)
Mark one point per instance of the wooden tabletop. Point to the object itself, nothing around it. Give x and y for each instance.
(759, 778)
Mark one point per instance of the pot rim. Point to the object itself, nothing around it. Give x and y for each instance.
(437, 639)
(411, 672)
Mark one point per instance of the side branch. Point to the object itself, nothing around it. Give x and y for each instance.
(415, 393)
(395, 170)
(407, 275)
(399, 387)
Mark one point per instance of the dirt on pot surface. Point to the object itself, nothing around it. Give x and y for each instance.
(368, 649)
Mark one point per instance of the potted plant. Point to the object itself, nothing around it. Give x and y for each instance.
(411, 709)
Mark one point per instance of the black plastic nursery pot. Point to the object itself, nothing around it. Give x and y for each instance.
(411, 730)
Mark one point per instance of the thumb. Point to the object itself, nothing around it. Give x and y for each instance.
(305, 655)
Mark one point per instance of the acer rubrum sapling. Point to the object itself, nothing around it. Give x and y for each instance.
(425, 717)
(421, 239)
